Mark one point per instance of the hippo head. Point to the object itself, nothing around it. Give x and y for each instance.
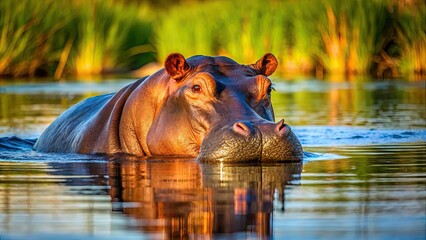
(219, 110)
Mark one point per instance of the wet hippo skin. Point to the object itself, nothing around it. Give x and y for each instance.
(212, 108)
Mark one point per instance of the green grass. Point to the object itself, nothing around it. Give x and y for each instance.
(243, 30)
(188, 29)
(77, 37)
(342, 37)
(411, 40)
(104, 29)
(352, 33)
(65, 37)
(31, 35)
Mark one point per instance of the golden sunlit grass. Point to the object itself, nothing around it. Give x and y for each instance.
(27, 31)
(335, 40)
(352, 34)
(81, 37)
(104, 28)
(342, 37)
(411, 38)
(61, 37)
(241, 31)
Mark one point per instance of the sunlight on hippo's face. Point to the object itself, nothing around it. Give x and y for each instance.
(218, 98)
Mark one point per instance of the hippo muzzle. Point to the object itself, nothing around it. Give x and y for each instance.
(251, 142)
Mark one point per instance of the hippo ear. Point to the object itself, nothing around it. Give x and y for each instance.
(176, 66)
(266, 65)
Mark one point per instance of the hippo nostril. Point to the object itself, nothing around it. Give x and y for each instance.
(281, 128)
(241, 128)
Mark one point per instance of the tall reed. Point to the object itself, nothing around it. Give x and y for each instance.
(244, 30)
(104, 29)
(249, 30)
(96, 36)
(303, 38)
(29, 35)
(188, 29)
(411, 40)
(340, 36)
(352, 33)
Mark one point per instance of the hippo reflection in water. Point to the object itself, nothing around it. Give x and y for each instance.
(211, 108)
(183, 199)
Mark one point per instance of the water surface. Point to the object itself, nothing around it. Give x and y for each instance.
(367, 178)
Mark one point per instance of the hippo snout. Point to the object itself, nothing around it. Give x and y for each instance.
(280, 129)
(251, 142)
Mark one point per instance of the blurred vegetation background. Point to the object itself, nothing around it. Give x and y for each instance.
(63, 38)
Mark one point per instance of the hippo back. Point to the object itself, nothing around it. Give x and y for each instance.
(81, 127)
(60, 137)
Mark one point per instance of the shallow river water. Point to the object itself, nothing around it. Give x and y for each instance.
(364, 179)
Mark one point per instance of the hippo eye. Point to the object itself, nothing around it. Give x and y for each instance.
(196, 88)
(270, 88)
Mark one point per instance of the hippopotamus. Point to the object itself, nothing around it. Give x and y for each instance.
(210, 108)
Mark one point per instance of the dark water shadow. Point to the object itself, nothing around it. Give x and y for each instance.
(16, 144)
